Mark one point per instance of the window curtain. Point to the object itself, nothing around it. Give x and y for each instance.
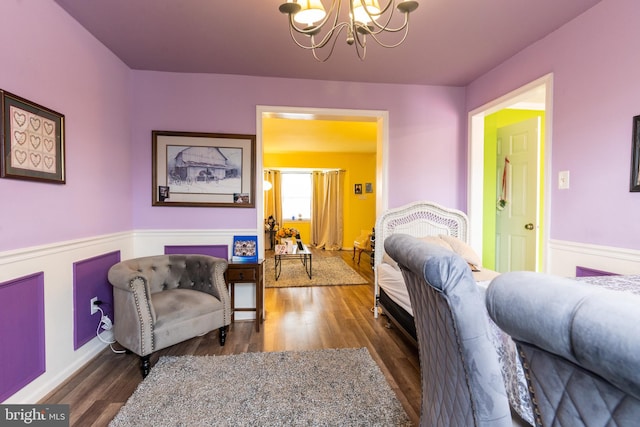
(326, 210)
(273, 197)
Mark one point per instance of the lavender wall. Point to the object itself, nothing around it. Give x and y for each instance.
(426, 125)
(51, 60)
(595, 63)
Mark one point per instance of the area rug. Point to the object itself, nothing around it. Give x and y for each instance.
(338, 387)
(326, 271)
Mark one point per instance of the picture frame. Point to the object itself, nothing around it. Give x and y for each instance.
(244, 249)
(31, 141)
(203, 169)
(368, 187)
(357, 189)
(635, 156)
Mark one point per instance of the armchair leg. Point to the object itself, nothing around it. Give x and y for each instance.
(145, 365)
(223, 334)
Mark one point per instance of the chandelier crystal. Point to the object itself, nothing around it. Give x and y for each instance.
(312, 27)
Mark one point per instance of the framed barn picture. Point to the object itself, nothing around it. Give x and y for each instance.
(203, 169)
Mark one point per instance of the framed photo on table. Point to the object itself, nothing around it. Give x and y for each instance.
(203, 169)
(31, 141)
(244, 249)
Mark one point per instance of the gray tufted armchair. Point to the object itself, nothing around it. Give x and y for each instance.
(162, 300)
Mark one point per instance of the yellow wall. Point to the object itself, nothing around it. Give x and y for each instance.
(491, 124)
(359, 210)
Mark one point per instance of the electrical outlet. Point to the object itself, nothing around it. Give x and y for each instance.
(94, 307)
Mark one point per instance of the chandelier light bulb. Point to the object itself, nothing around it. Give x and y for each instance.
(311, 11)
(360, 12)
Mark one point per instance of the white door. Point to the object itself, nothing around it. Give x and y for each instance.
(517, 217)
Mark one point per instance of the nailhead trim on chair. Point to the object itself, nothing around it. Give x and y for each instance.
(143, 325)
(532, 393)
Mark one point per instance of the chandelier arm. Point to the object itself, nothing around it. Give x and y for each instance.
(333, 45)
(327, 37)
(384, 27)
(404, 36)
(361, 55)
(360, 43)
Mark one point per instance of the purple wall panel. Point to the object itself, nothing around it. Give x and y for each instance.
(90, 280)
(220, 251)
(22, 353)
(586, 272)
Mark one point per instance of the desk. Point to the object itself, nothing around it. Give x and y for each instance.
(247, 272)
(304, 255)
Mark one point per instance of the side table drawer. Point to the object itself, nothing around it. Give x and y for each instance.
(241, 274)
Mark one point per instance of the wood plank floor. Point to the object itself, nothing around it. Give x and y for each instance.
(296, 319)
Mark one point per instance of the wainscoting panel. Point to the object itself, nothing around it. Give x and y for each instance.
(22, 333)
(565, 258)
(90, 280)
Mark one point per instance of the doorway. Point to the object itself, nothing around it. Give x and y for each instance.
(311, 115)
(484, 175)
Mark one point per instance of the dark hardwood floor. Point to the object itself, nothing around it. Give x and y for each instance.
(296, 319)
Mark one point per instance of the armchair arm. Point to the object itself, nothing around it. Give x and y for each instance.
(134, 316)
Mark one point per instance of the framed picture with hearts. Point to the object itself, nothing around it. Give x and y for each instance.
(31, 140)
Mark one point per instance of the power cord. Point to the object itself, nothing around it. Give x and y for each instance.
(106, 324)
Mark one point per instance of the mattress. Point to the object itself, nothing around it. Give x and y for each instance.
(391, 281)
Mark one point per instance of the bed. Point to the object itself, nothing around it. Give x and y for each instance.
(449, 228)
(425, 220)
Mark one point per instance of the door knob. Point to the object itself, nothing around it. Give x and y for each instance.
(529, 226)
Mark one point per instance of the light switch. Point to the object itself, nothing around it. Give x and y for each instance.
(563, 180)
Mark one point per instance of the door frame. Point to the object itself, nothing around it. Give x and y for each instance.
(475, 166)
(381, 117)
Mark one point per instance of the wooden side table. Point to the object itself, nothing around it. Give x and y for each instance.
(247, 272)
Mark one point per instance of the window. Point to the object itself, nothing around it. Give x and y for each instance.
(296, 195)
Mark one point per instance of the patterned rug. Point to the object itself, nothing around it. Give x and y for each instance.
(326, 271)
(341, 387)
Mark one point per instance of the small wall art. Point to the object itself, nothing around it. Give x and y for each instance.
(635, 156)
(357, 189)
(368, 187)
(32, 141)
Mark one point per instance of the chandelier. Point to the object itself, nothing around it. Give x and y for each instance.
(309, 21)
